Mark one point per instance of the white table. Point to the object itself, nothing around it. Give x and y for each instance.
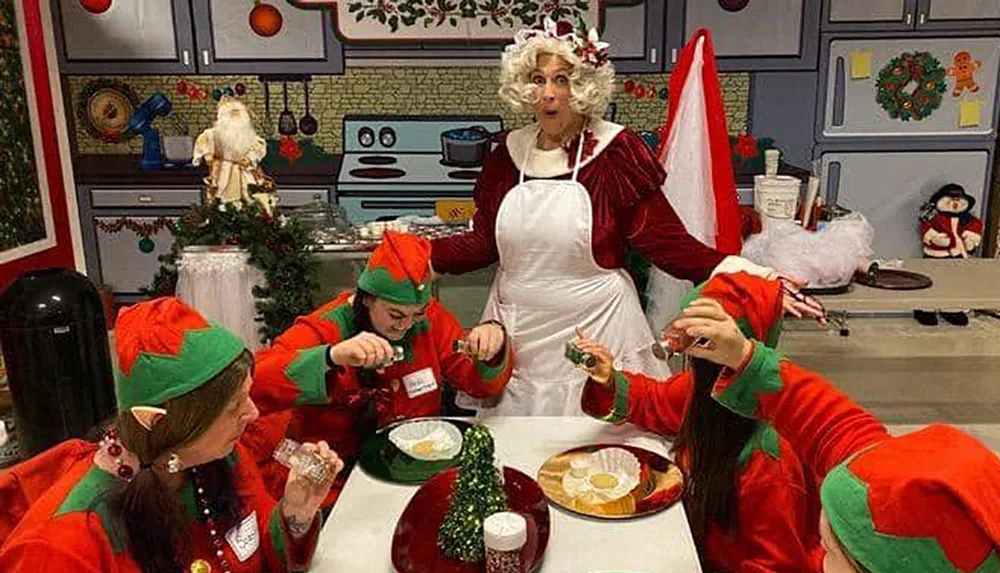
(358, 534)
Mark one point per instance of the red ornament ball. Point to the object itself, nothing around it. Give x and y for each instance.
(733, 5)
(96, 6)
(629, 86)
(181, 88)
(640, 92)
(265, 20)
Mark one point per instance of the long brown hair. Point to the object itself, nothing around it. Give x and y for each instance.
(148, 513)
(711, 439)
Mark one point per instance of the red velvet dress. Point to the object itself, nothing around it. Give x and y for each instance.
(778, 508)
(629, 209)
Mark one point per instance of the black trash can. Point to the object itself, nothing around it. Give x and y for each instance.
(55, 344)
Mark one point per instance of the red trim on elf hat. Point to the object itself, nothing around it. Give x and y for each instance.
(157, 327)
(404, 255)
(936, 483)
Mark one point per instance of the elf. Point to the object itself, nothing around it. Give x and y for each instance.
(926, 502)
(169, 488)
(372, 357)
(751, 504)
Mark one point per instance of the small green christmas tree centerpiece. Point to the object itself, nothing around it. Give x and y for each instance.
(476, 494)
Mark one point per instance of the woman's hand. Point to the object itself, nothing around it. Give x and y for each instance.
(797, 304)
(600, 373)
(304, 496)
(485, 341)
(365, 350)
(705, 318)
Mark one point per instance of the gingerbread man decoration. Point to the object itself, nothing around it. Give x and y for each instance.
(963, 69)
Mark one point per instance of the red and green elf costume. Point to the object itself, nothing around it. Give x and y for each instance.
(304, 398)
(778, 513)
(58, 499)
(927, 502)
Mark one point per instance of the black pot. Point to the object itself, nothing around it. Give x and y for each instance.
(466, 146)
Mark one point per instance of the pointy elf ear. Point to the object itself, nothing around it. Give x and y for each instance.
(148, 416)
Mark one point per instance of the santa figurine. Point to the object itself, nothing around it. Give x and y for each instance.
(233, 150)
(949, 230)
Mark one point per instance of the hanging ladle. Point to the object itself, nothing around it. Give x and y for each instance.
(286, 121)
(308, 124)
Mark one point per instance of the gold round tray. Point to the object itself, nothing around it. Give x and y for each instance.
(661, 484)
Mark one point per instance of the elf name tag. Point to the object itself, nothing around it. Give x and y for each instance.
(244, 538)
(420, 382)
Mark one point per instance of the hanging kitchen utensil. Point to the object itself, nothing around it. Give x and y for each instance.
(308, 124)
(268, 120)
(286, 121)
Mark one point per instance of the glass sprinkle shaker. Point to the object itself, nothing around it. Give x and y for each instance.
(289, 454)
(504, 535)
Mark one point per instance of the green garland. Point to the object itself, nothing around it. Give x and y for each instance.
(277, 245)
(892, 86)
(476, 494)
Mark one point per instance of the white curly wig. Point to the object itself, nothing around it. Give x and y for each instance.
(591, 87)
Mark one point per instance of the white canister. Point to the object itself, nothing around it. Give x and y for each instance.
(504, 534)
(776, 197)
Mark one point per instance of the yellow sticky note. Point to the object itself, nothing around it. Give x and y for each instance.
(861, 64)
(968, 113)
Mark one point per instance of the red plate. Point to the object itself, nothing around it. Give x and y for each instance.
(414, 544)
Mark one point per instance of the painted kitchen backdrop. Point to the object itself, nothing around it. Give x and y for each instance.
(886, 99)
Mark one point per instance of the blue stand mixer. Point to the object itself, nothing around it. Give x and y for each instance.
(142, 123)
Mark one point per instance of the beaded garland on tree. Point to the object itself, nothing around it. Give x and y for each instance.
(476, 494)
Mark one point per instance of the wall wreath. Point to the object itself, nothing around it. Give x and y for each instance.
(910, 86)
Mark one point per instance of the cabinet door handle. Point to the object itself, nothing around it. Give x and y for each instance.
(145, 198)
(923, 18)
(832, 182)
(186, 58)
(839, 93)
(909, 19)
(204, 57)
(652, 55)
(673, 56)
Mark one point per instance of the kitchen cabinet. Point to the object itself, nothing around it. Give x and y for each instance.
(958, 14)
(898, 15)
(192, 36)
(888, 186)
(848, 107)
(635, 29)
(153, 36)
(772, 35)
(305, 42)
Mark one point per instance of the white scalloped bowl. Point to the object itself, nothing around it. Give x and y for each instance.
(611, 474)
(428, 440)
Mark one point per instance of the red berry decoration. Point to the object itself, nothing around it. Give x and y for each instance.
(181, 88)
(265, 20)
(241, 89)
(125, 472)
(640, 92)
(115, 450)
(629, 86)
(733, 5)
(96, 6)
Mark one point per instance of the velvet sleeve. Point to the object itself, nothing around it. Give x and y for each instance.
(475, 378)
(773, 519)
(478, 248)
(654, 228)
(293, 371)
(823, 425)
(650, 404)
(74, 542)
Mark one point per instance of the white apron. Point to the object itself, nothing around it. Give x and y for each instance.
(548, 284)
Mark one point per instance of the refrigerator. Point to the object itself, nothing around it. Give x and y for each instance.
(886, 168)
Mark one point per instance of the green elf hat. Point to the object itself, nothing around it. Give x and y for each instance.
(399, 270)
(755, 303)
(926, 502)
(165, 350)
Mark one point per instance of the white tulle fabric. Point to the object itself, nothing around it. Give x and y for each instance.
(219, 285)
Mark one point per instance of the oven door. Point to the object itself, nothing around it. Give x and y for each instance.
(383, 208)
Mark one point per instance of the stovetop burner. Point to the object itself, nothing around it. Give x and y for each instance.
(377, 173)
(464, 174)
(377, 160)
